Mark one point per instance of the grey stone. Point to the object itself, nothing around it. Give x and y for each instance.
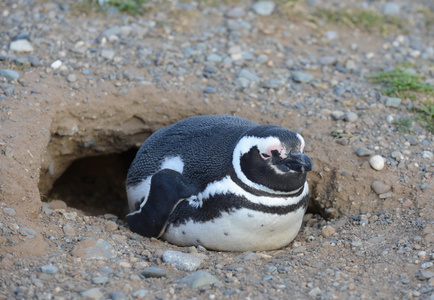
(95, 249)
(391, 9)
(377, 162)
(182, 261)
(392, 102)
(99, 279)
(327, 60)
(9, 74)
(214, 58)
(108, 54)
(93, 293)
(427, 154)
(9, 91)
(30, 233)
(242, 82)
(210, 69)
(337, 115)
(350, 65)
(361, 152)
(9, 211)
(140, 293)
(426, 274)
(49, 269)
(210, 90)
(118, 295)
(350, 117)
(264, 8)
(199, 279)
(315, 292)
(21, 46)
(34, 61)
(301, 77)
(153, 272)
(244, 73)
(235, 13)
(379, 187)
(274, 83)
(71, 78)
(425, 187)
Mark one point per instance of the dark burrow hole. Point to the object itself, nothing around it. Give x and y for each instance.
(96, 185)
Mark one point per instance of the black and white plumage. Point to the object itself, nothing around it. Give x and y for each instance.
(220, 181)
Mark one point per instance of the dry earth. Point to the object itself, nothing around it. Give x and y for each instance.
(71, 138)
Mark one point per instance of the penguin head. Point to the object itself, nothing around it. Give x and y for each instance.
(270, 159)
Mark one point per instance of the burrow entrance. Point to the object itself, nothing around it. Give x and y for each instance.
(96, 184)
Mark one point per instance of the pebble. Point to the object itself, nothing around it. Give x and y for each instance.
(327, 60)
(315, 292)
(379, 187)
(140, 293)
(118, 295)
(71, 78)
(264, 8)
(100, 279)
(182, 261)
(9, 211)
(108, 54)
(21, 46)
(235, 13)
(328, 231)
(9, 74)
(199, 279)
(68, 229)
(27, 232)
(361, 152)
(214, 58)
(210, 90)
(350, 117)
(391, 9)
(245, 73)
(392, 102)
(427, 154)
(94, 293)
(301, 77)
(426, 274)
(49, 269)
(337, 115)
(56, 64)
(111, 225)
(90, 248)
(377, 162)
(350, 65)
(153, 272)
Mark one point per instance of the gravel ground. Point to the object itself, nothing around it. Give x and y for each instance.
(68, 76)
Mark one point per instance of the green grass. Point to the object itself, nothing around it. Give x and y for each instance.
(132, 7)
(425, 115)
(365, 20)
(400, 83)
(403, 124)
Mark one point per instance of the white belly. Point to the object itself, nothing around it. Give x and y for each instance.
(241, 230)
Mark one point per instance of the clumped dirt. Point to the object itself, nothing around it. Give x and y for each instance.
(73, 141)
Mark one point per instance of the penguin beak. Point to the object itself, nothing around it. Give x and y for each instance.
(295, 161)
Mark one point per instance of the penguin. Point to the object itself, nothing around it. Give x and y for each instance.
(219, 181)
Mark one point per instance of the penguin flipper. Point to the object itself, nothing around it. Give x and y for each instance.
(167, 190)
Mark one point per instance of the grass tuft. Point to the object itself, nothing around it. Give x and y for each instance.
(403, 124)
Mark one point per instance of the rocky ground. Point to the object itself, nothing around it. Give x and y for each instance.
(82, 89)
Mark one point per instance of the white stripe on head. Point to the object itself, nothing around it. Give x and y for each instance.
(244, 145)
(301, 142)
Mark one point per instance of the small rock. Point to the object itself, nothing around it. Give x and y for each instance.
(392, 102)
(210, 90)
(328, 231)
(97, 249)
(264, 8)
(49, 269)
(93, 293)
(426, 274)
(361, 152)
(71, 78)
(68, 229)
(140, 294)
(337, 115)
(350, 65)
(427, 265)
(27, 232)
(9, 74)
(301, 77)
(10, 211)
(379, 187)
(377, 162)
(350, 117)
(327, 60)
(182, 261)
(425, 187)
(100, 279)
(57, 204)
(21, 46)
(118, 295)
(199, 279)
(407, 203)
(153, 272)
(235, 13)
(315, 292)
(67, 127)
(56, 65)
(108, 54)
(244, 73)
(391, 9)
(214, 58)
(427, 154)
